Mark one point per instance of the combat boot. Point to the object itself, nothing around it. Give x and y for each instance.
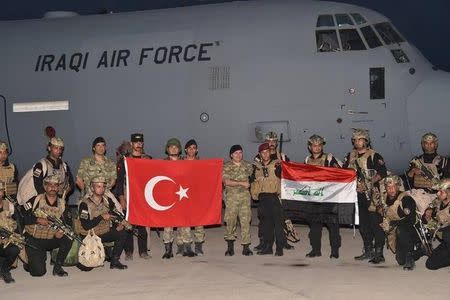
(198, 249)
(334, 253)
(314, 253)
(260, 246)
(230, 249)
(59, 271)
(180, 250)
(279, 251)
(187, 250)
(246, 250)
(6, 276)
(168, 254)
(410, 263)
(266, 250)
(378, 257)
(367, 254)
(116, 264)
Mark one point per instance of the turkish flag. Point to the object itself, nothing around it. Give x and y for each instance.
(178, 193)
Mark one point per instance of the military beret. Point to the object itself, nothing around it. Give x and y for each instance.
(98, 140)
(263, 146)
(137, 137)
(235, 148)
(190, 143)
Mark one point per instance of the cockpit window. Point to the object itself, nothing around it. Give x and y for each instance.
(388, 33)
(400, 56)
(325, 20)
(351, 40)
(370, 36)
(358, 18)
(343, 19)
(327, 41)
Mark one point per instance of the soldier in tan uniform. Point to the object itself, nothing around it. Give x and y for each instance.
(320, 213)
(370, 169)
(40, 232)
(184, 236)
(236, 173)
(95, 214)
(428, 168)
(265, 188)
(191, 151)
(96, 165)
(136, 151)
(8, 179)
(440, 257)
(54, 165)
(399, 222)
(9, 253)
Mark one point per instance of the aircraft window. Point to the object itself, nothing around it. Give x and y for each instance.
(388, 33)
(343, 19)
(351, 40)
(400, 56)
(327, 41)
(325, 20)
(358, 18)
(371, 37)
(376, 83)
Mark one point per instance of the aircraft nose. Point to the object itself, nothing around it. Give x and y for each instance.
(428, 109)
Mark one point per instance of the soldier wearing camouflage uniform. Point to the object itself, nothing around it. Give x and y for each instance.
(436, 165)
(96, 165)
(370, 169)
(440, 256)
(184, 236)
(8, 180)
(236, 173)
(191, 151)
(136, 151)
(320, 213)
(9, 253)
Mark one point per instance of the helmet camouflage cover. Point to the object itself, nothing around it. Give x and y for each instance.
(271, 136)
(359, 133)
(316, 139)
(429, 137)
(442, 185)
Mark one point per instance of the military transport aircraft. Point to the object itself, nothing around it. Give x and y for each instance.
(223, 74)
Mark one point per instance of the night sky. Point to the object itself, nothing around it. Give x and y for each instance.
(426, 24)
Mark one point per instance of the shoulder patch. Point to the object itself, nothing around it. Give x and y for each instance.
(381, 162)
(407, 211)
(84, 214)
(37, 172)
(27, 206)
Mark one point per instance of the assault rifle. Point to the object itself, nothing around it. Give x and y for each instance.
(425, 170)
(58, 224)
(361, 176)
(14, 238)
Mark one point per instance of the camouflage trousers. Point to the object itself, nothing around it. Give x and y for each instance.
(184, 235)
(238, 206)
(199, 234)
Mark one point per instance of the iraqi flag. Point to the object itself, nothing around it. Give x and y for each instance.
(321, 194)
(181, 193)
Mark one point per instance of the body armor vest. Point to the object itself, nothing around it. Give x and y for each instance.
(94, 211)
(392, 215)
(423, 182)
(320, 161)
(265, 180)
(7, 183)
(6, 219)
(40, 231)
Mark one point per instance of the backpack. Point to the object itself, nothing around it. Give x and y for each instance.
(91, 253)
(26, 189)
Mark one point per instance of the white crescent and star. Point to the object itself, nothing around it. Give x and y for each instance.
(148, 192)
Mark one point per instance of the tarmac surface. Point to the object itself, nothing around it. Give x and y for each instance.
(214, 276)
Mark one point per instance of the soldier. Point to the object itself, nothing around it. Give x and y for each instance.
(440, 256)
(40, 232)
(272, 139)
(95, 214)
(184, 236)
(236, 173)
(399, 222)
(53, 166)
(370, 168)
(265, 188)
(137, 151)
(96, 165)
(191, 151)
(8, 178)
(9, 253)
(426, 169)
(322, 213)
